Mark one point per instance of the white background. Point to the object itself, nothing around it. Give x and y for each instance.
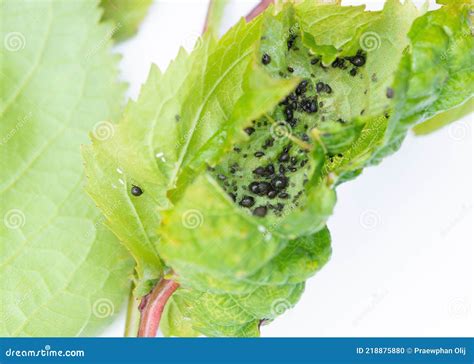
(402, 262)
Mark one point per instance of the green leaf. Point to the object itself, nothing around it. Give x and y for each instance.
(173, 320)
(444, 118)
(215, 299)
(332, 30)
(125, 15)
(437, 73)
(237, 315)
(63, 273)
(183, 119)
(295, 263)
(433, 76)
(193, 235)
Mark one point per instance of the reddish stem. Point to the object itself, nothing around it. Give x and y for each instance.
(206, 22)
(152, 306)
(258, 9)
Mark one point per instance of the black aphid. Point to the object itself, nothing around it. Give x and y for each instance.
(292, 122)
(309, 105)
(263, 188)
(268, 143)
(314, 61)
(291, 41)
(338, 63)
(136, 191)
(353, 72)
(284, 157)
(260, 171)
(290, 69)
(272, 194)
(270, 169)
(260, 211)
(247, 201)
(358, 60)
(301, 89)
(259, 154)
(279, 182)
(253, 187)
(266, 59)
(390, 93)
(249, 130)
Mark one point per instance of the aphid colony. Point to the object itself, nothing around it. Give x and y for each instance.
(260, 181)
(267, 174)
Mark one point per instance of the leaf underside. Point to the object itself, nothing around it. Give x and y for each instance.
(62, 273)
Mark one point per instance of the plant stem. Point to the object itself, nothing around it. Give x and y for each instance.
(146, 315)
(258, 9)
(215, 11)
(152, 307)
(133, 315)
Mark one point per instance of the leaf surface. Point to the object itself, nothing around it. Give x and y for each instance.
(183, 119)
(125, 15)
(62, 273)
